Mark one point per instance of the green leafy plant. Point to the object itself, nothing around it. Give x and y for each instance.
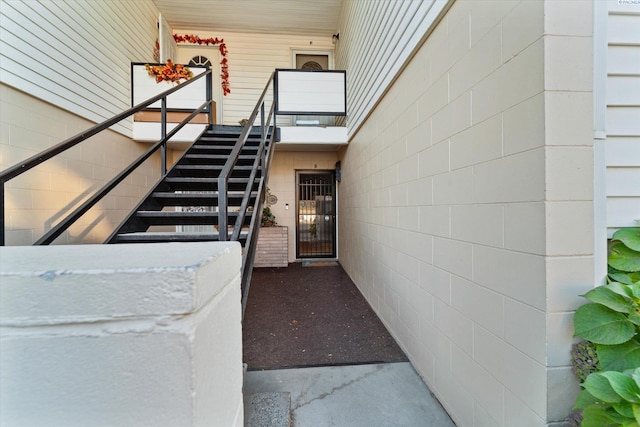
(611, 399)
(624, 256)
(607, 362)
(268, 218)
(313, 228)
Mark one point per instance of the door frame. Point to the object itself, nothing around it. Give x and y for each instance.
(334, 231)
(213, 53)
(295, 52)
(322, 120)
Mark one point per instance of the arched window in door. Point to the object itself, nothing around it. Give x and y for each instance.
(311, 65)
(200, 60)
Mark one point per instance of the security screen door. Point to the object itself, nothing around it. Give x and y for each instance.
(316, 214)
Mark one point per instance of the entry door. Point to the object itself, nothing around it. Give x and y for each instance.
(313, 60)
(207, 56)
(316, 214)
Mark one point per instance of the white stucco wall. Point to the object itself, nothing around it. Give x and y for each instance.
(121, 335)
(466, 207)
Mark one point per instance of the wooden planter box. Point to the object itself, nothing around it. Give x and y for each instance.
(273, 247)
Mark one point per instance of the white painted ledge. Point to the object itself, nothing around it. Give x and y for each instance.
(333, 135)
(302, 135)
(121, 335)
(150, 132)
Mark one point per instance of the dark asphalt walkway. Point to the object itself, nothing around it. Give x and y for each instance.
(311, 316)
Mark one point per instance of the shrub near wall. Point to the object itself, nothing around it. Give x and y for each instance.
(607, 362)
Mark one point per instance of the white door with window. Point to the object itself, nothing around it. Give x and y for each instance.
(206, 56)
(313, 60)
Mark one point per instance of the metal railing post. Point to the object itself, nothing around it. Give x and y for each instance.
(223, 228)
(263, 134)
(209, 90)
(163, 135)
(264, 138)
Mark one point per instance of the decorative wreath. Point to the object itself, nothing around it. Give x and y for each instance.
(169, 72)
(222, 47)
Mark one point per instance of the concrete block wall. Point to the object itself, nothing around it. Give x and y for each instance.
(272, 249)
(121, 335)
(38, 199)
(466, 207)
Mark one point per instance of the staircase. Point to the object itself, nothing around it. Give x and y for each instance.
(217, 185)
(184, 206)
(214, 192)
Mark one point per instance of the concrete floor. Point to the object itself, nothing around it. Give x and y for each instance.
(377, 395)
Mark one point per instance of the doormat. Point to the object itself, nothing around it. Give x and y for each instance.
(319, 263)
(302, 317)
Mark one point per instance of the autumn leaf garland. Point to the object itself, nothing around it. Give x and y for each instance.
(169, 72)
(222, 47)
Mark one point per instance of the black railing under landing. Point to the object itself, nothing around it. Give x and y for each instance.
(261, 162)
(71, 218)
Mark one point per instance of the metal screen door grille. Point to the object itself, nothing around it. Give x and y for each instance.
(316, 230)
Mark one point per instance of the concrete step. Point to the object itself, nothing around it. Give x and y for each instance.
(267, 410)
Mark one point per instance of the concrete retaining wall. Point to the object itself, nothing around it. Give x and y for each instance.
(121, 335)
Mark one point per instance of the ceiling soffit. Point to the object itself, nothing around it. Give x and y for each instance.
(302, 17)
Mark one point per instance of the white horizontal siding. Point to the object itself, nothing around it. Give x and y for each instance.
(623, 121)
(623, 151)
(622, 212)
(76, 54)
(252, 58)
(377, 38)
(623, 115)
(624, 29)
(623, 90)
(168, 48)
(624, 182)
(623, 60)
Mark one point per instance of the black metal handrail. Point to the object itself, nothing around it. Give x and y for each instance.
(223, 178)
(248, 257)
(262, 163)
(258, 164)
(51, 152)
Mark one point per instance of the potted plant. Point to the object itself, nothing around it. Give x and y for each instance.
(268, 218)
